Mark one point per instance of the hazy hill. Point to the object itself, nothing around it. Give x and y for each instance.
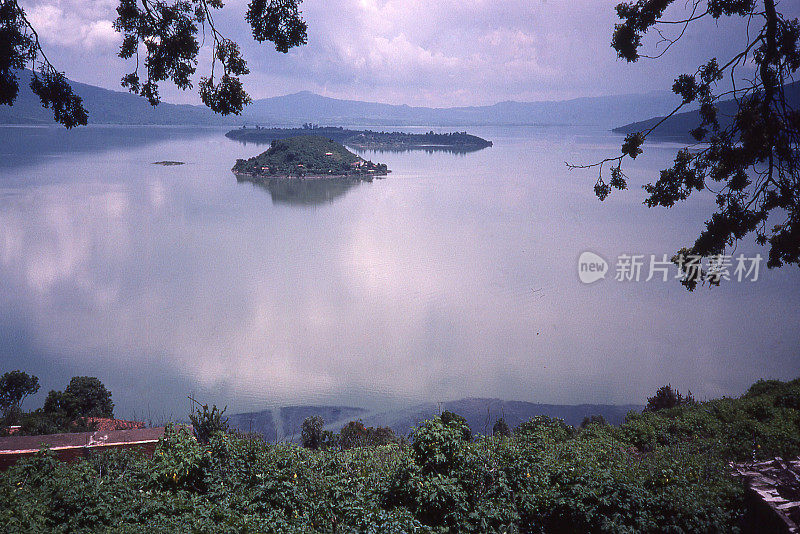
(107, 107)
(603, 111)
(479, 413)
(678, 126)
(120, 107)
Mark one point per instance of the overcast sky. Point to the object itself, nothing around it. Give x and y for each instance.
(417, 52)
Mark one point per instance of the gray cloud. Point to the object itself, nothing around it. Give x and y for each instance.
(445, 52)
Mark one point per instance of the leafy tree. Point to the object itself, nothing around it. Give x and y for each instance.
(543, 427)
(355, 434)
(15, 386)
(382, 435)
(453, 419)
(750, 163)
(85, 396)
(312, 434)
(666, 398)
(207, 422)
(593, 420)
(763, 386)
(160, 37)
(501, 428)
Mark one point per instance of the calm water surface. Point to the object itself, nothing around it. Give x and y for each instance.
(456, 276)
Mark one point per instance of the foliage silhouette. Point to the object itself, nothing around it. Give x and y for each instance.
(666, 398)
(161, 38)
(207, 422)
(752, 164)
(15, 386)
(84, 396)
(501, 428)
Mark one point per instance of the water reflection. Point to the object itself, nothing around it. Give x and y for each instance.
(28, 145)
(298, 192)
(454, 277)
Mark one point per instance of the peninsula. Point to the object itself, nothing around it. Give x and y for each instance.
(307, 156)
(367, 139)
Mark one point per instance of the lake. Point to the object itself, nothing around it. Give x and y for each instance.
(455, 276)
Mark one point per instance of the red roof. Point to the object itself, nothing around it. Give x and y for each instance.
(106, 424)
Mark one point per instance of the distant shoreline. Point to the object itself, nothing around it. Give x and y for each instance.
(368, 139)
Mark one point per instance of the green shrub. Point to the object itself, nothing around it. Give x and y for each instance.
(663, 471)
(763, 387)
(207, 423)
(449, 417)
(501, 428)
(666, 398)
(545, 428)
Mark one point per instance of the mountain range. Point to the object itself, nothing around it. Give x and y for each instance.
(118, 107)
(679, 125)
(285, 423)
(604, 111)
(107, 107)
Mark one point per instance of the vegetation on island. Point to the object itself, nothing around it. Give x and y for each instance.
(307, 156)
(664, 470)
(367, 139)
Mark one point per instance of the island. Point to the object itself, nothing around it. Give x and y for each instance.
(457, 142)
(307, 157)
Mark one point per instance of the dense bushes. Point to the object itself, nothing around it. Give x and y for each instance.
(662, 471)
(355, 434)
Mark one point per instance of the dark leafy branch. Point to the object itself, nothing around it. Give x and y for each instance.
(751, 163)
(166, 33)
(163, 37)
(20, 47)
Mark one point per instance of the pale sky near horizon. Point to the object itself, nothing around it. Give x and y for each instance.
(422, 52)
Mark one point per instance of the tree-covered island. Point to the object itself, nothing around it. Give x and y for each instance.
(460, 142)
(307, 156)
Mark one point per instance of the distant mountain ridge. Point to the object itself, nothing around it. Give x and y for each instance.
(605, 111)
(108, 107)
(118, 107)
(679, 125)
(480, 413)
